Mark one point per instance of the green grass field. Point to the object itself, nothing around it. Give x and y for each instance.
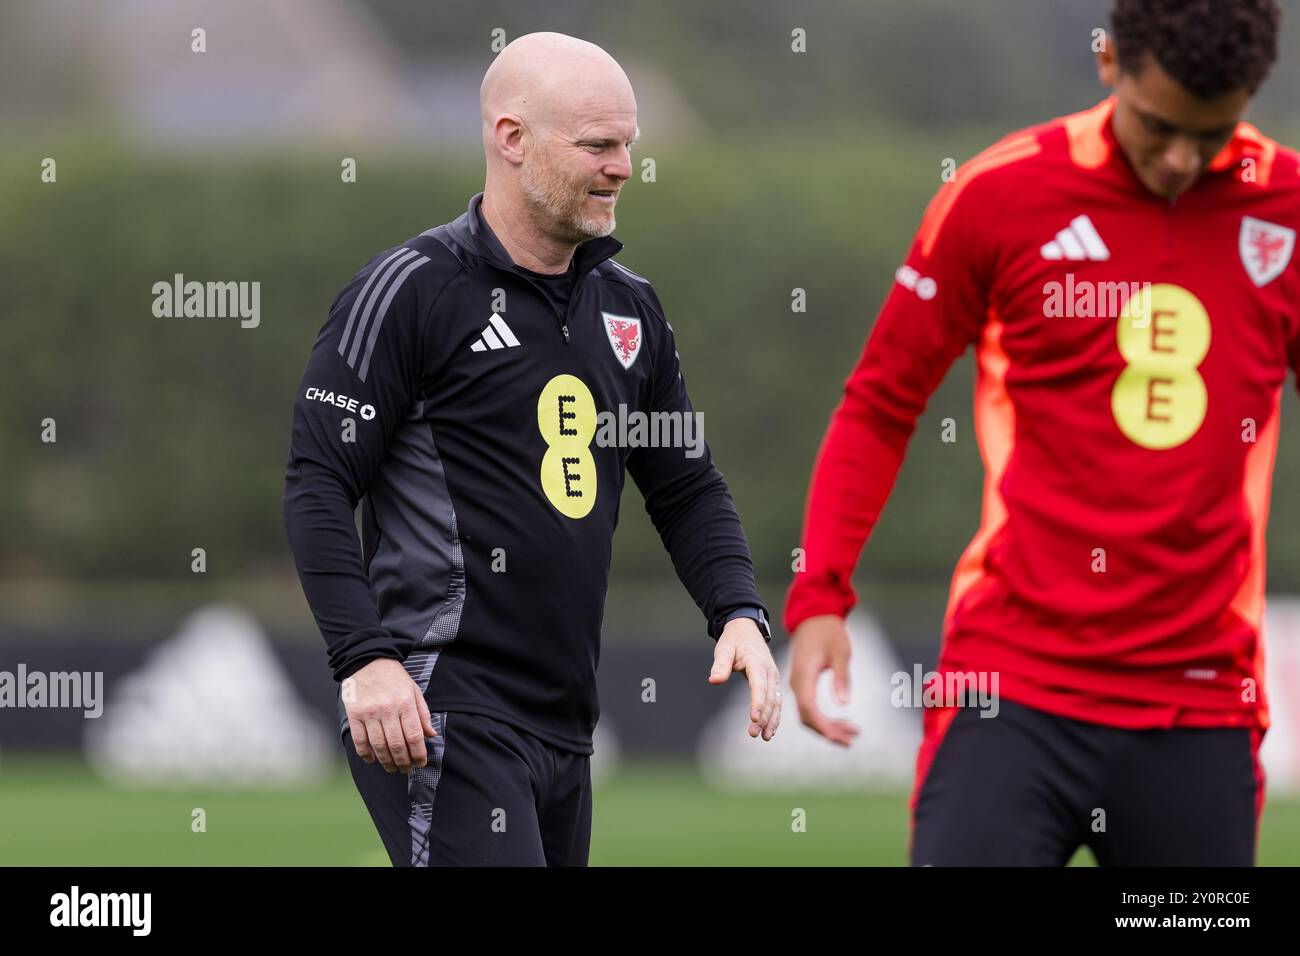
(55, 812)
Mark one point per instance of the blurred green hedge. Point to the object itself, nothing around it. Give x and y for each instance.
(172, 433)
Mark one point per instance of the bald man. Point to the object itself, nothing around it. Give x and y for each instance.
(478, 389)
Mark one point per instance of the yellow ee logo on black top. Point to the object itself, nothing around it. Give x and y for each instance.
(566, 417)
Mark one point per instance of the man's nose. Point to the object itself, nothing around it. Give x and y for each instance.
(1182, 157)
(620, 167)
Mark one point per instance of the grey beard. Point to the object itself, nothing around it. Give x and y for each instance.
(551, 196)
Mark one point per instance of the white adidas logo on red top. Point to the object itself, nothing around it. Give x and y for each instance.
(1078, 241)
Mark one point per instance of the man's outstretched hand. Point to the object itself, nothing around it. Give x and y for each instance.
(388, 716)
(741, 647)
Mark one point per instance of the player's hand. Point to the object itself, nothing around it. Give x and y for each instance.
(741, 647)
(817, 644)
(388, 716)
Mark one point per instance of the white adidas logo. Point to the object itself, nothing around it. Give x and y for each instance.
(1079, 240)
(491, 340)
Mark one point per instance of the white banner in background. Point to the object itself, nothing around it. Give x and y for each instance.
(1280, 752)
(884, 756)
(211, 705)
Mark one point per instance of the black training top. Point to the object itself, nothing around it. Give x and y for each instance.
(558, 288)
(448, 395)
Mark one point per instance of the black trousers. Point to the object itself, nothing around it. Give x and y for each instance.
(1029, 788)
(491, 795)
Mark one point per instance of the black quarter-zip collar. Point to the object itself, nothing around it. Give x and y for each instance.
(586, 257)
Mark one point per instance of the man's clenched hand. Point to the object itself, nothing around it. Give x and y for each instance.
(388, 716)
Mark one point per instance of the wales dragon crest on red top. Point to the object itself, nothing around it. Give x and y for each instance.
(1265, 249)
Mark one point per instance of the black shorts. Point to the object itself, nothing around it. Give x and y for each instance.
(1028, 788)
(490, 795)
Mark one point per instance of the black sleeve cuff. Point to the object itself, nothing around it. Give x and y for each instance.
(362, 647)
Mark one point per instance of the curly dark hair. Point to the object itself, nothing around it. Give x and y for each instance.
(1211, 47)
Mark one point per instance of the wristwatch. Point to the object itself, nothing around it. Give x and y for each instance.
(756, 614)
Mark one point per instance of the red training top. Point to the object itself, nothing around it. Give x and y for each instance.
(1131, 354)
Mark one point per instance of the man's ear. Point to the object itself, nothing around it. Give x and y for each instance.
(1108, 63)
(508, 135)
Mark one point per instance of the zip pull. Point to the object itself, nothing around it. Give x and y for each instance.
(565, 329)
